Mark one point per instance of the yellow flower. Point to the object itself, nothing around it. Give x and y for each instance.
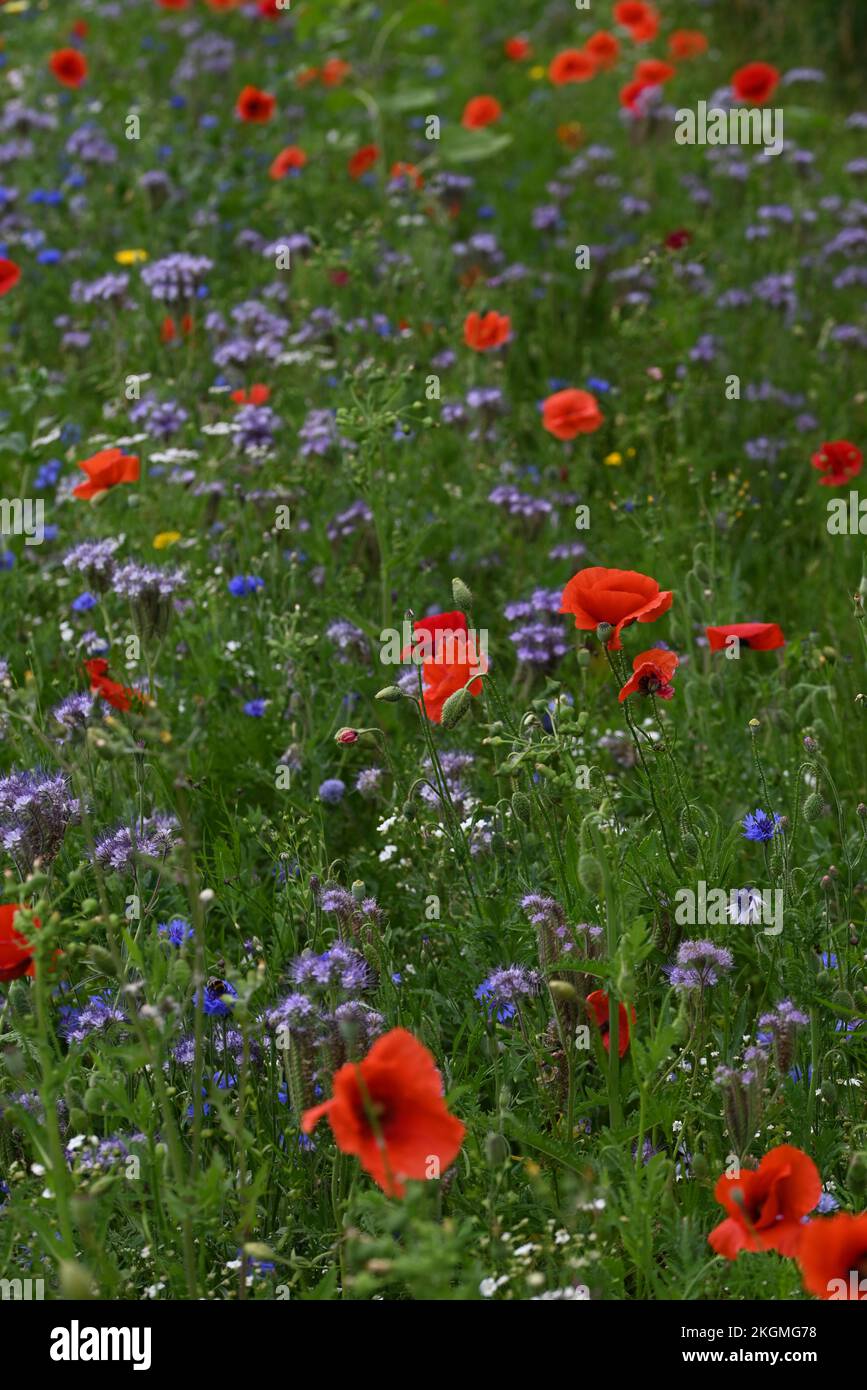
(17, 7)
(131, 257)
(613, 460)
(537, 72)
(165, 539)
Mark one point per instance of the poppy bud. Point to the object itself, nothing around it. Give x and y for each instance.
(590, 874)
(455, 708)
(461, 595)
(583, 657)
(861, 810)
(498, 845)
(700, 1167)
(827, 1092)
(390, 693)
(857, 1174)
(604, 631)
(102, 959)
(522, 808)
(689, 845)
(346, 736)
(497, 1149)
(88, 907)
(93, 1101)
(78, 1120)
(813, 807)
(563, 992)
(843, 999)
(408, 811)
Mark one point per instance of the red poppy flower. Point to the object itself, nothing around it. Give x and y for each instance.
(481, 111)
(402, 170)
(642, 21)
(518, 49)
(105, 470)
(755, 83)
(686, 43)
(631, 92)
(257, 395)
(333, 72)
(675, 241)
(482, 333)
(10, 274)
(598, 1003)
(120, 697)
(448, 659)
(272, 9)
(293, 157)
(654, 71)
(651, 675)
(79, 28)
(631, 13)
(69, 66)
(766, 1205)
(616, 597)
(16, 952)
(169, 329)
(389, 1111)
(572, 65)
(571, 412)
(173, 4)
(363, 160)
(604, 49)
(832, 1250)
(255, 106)
(839, 461)
(761, 637)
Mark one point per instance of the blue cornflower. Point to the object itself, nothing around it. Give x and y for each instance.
(214, 1002)
(83, 603)
(244, 584)
(255, 708)
(176, 931)
(761, 826)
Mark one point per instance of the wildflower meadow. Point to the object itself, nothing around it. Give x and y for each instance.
(433, 662)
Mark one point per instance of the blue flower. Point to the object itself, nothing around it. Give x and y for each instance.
(761, 826)
(83, 603)
(244, 584)
(255, 708)
(214, 1003)
(177, 931)
(332, 790)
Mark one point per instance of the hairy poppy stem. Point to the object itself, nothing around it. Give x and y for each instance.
(637, 741)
